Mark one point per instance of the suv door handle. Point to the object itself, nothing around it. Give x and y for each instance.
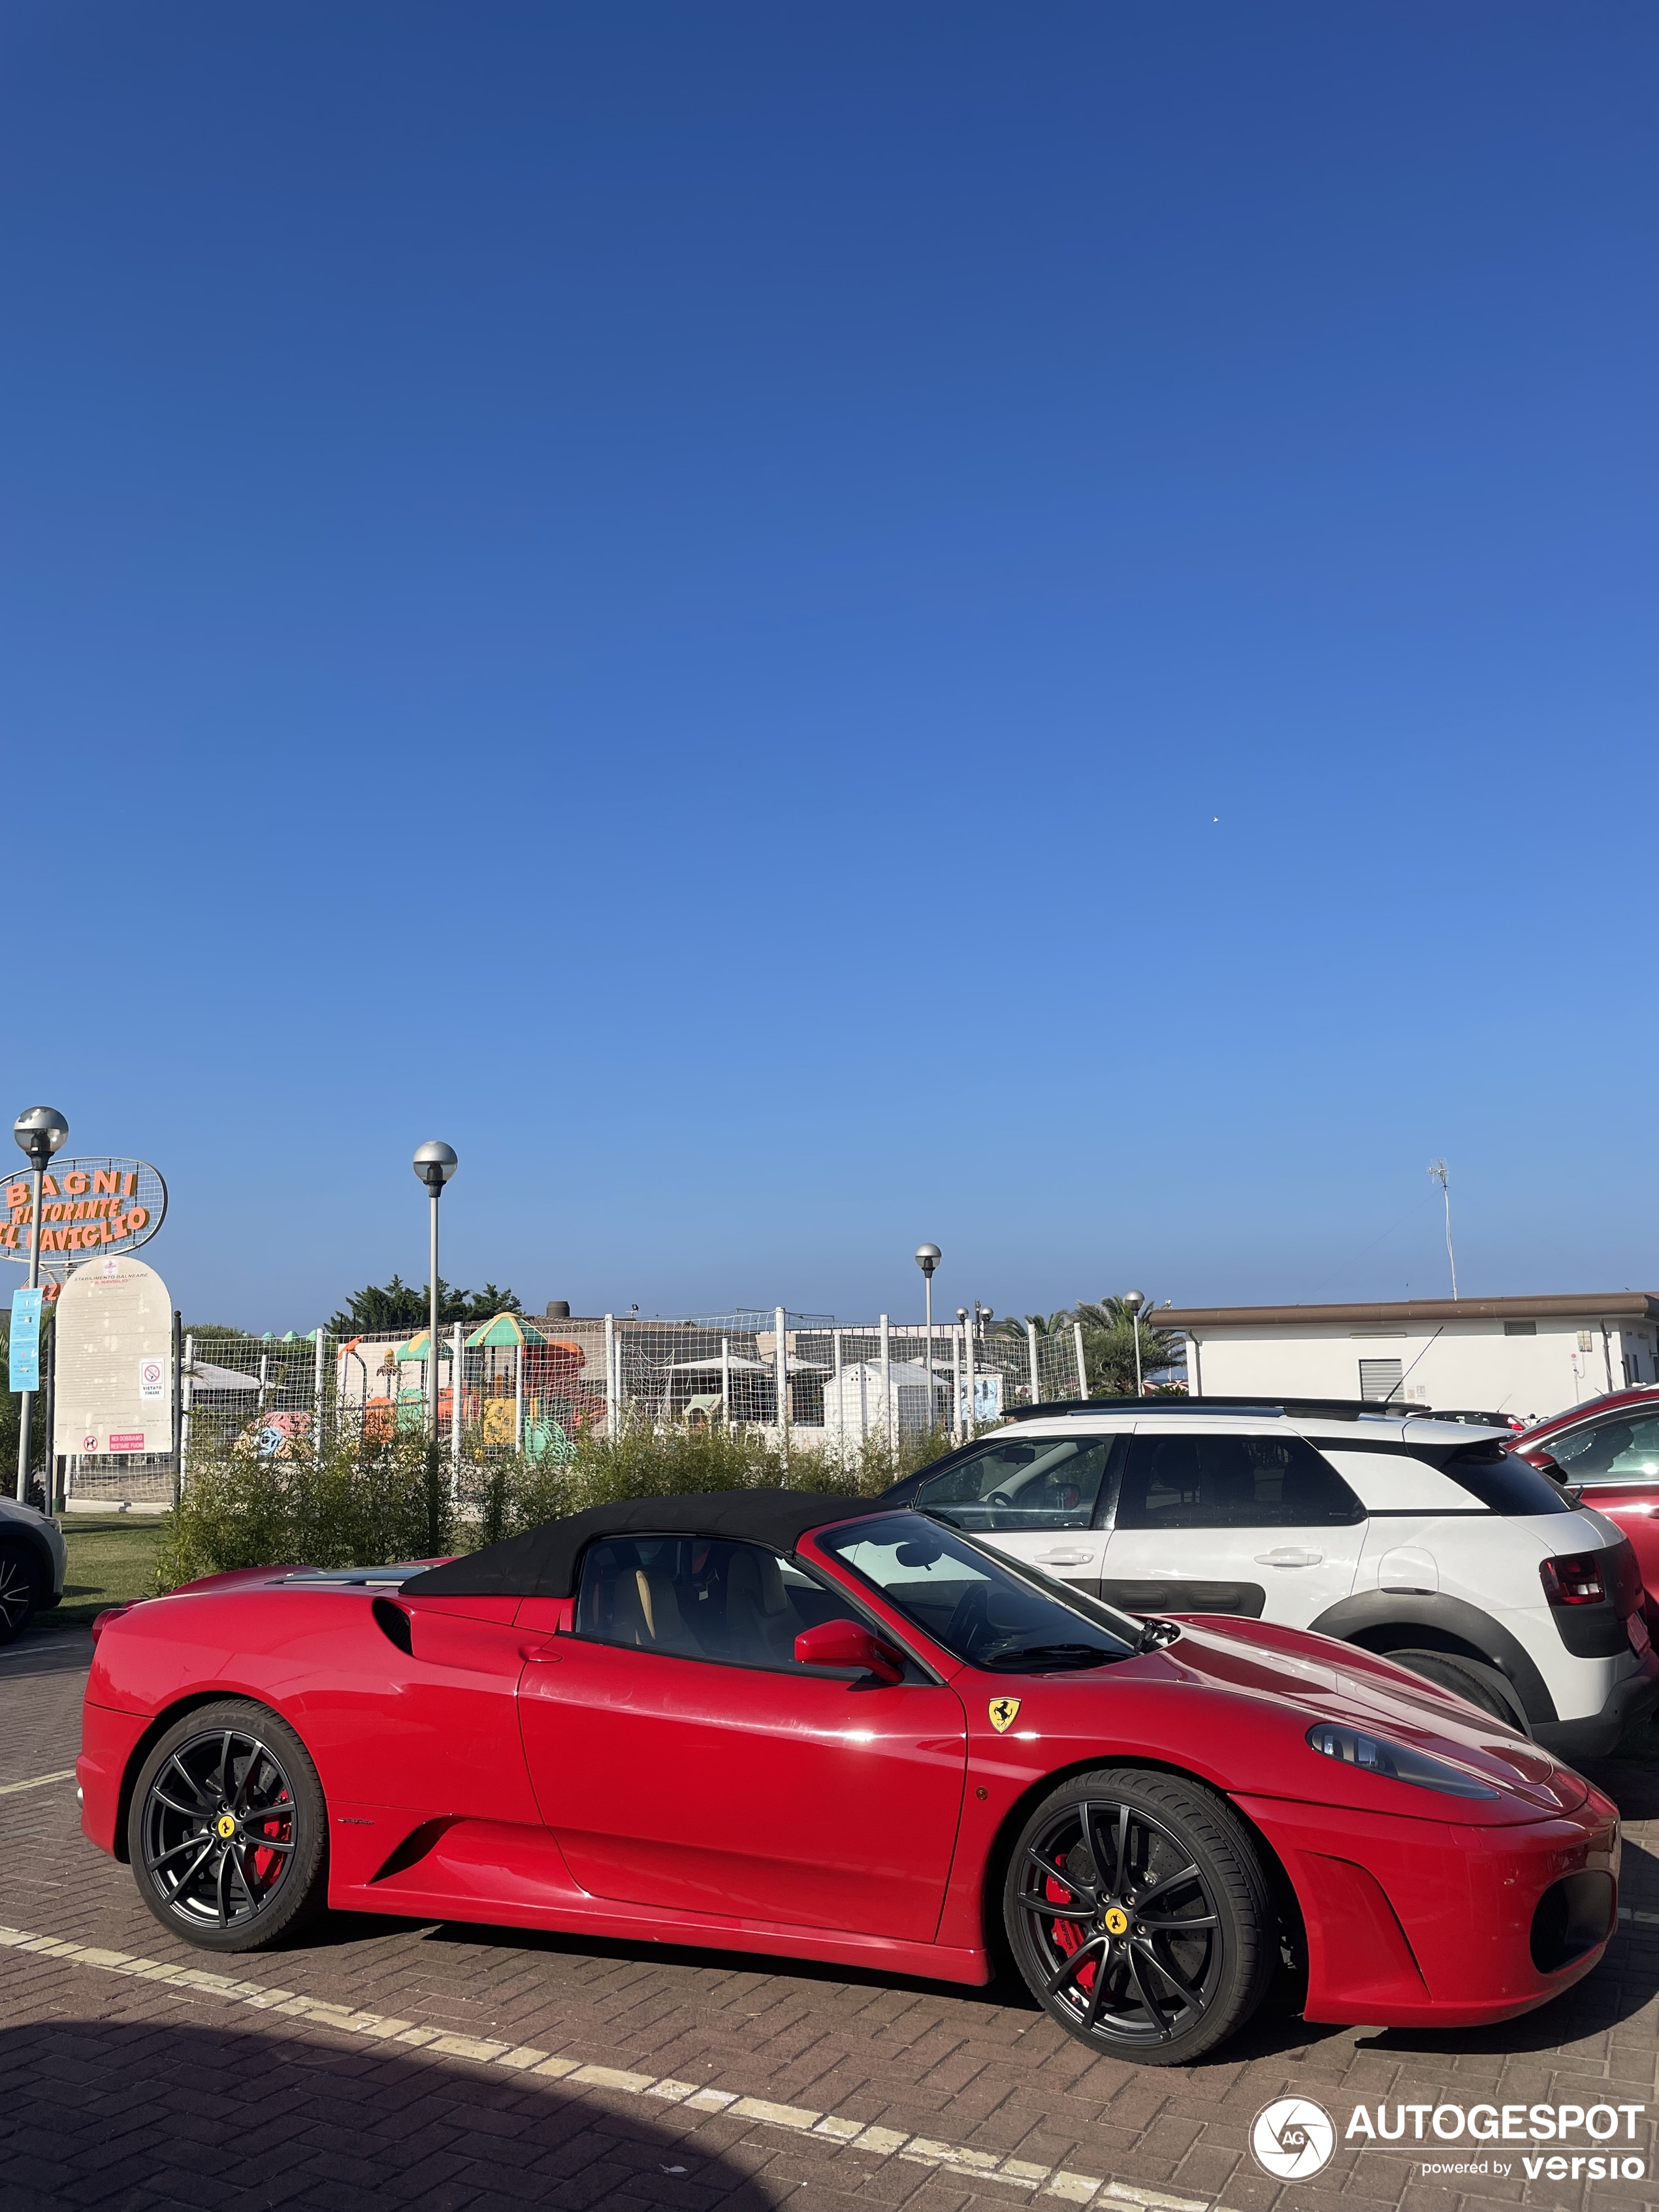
(1288, 1557)
(1072, 1559)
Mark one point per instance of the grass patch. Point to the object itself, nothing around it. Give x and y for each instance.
(112, 1556)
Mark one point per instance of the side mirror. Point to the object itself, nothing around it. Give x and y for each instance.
(848, 1643)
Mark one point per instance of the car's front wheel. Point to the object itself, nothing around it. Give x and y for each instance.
(1141, 1914)
(228, 1832)
(21, 1589)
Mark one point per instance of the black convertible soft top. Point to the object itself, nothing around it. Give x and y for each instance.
(542, 1563)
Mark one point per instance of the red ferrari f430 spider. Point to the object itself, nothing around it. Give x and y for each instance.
(791, 1724)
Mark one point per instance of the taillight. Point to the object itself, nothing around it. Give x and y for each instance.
(1574, 1579)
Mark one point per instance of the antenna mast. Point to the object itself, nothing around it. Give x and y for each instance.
(1437, 1173)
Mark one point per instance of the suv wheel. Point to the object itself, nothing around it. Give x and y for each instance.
(20, 1588)
(1465, 1678)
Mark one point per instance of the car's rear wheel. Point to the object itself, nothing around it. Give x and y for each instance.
(1467, 1679)
(1141, 1914)
(227, 1832)
(21, 1589)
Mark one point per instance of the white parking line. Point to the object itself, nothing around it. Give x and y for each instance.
(523, 2058)
(36, 1782)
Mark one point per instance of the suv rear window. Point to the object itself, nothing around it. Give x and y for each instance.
(1502, 1482)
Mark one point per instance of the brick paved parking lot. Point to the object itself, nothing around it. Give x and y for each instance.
(382, 2064)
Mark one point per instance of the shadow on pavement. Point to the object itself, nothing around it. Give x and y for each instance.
(191, 2114)
(65, 1651)
(1008, 1989)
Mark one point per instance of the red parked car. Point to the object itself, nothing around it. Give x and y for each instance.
(800, 1726)
(1608, 1450)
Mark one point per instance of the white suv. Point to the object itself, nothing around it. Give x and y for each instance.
(1423, 1539)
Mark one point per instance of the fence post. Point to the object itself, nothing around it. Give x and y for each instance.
(177, 1349)
(518, 1398)
(840, 1403)
(726, 1381)
(1030, 1347)
(968, 1364)
(317, 1393)
(778, 1319)
(611, 1394)
(887, 1380)
(956, 1385)
(457, 1343)
(187, 1398)
(1082, 1371)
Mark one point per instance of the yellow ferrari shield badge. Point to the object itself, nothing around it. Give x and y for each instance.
(1003, 1711)
(226, 1824)
(1116, 1920)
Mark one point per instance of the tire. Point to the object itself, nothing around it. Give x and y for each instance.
(22, 1586)
(236, 1888)
(1162, 1990)
(1466, 1678)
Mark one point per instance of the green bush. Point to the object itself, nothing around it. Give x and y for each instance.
(363, 1503)
(368, 1501)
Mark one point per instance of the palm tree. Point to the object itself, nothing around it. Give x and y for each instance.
(1108, 1346)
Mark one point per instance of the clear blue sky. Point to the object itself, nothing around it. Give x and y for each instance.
(809, 627)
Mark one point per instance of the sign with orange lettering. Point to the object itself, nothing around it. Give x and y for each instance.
(103, 1206)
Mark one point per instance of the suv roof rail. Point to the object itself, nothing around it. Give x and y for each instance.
(1340, 1409)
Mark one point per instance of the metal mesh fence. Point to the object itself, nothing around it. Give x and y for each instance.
(534, 1384)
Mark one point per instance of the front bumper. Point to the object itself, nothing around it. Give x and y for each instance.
(1595, 1735)
(1427, 1923)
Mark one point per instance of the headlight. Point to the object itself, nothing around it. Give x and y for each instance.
(1398, 1761)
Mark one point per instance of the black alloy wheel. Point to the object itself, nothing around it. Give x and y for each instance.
(1140, 1915)
(227, 1829)
(19, 1590)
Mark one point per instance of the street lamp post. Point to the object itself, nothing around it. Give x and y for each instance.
(928, 1258)
(1134, 1300)
(434, 1163)
(39, 1132)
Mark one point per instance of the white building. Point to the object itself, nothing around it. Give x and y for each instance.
(1525, 1356)
(855, 1403)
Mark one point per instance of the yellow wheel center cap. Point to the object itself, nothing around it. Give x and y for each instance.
(1117, 1921)
(225, 1826)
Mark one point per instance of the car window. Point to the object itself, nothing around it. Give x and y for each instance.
(990, 1611)
(1625, 1450)
(1231, 1482)
(696, 1597)
(1503, 1482)
(1021, 1482)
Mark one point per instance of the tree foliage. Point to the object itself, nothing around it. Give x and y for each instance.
(1108, 1346)
(1109, 1341)
(378, 1308)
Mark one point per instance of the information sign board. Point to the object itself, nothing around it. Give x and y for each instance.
(114, 1371)
(25, 1342)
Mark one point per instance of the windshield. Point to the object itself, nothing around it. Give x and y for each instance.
(980, 1606)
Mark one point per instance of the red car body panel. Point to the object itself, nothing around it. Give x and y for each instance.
(507, 1771)
(1632, 1502)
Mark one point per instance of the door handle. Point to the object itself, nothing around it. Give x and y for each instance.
(540, 1655)
(1073, 1559)
(1288, 1558)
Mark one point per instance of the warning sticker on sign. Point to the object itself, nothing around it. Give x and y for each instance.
(127, 1443)
(152, 1379)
